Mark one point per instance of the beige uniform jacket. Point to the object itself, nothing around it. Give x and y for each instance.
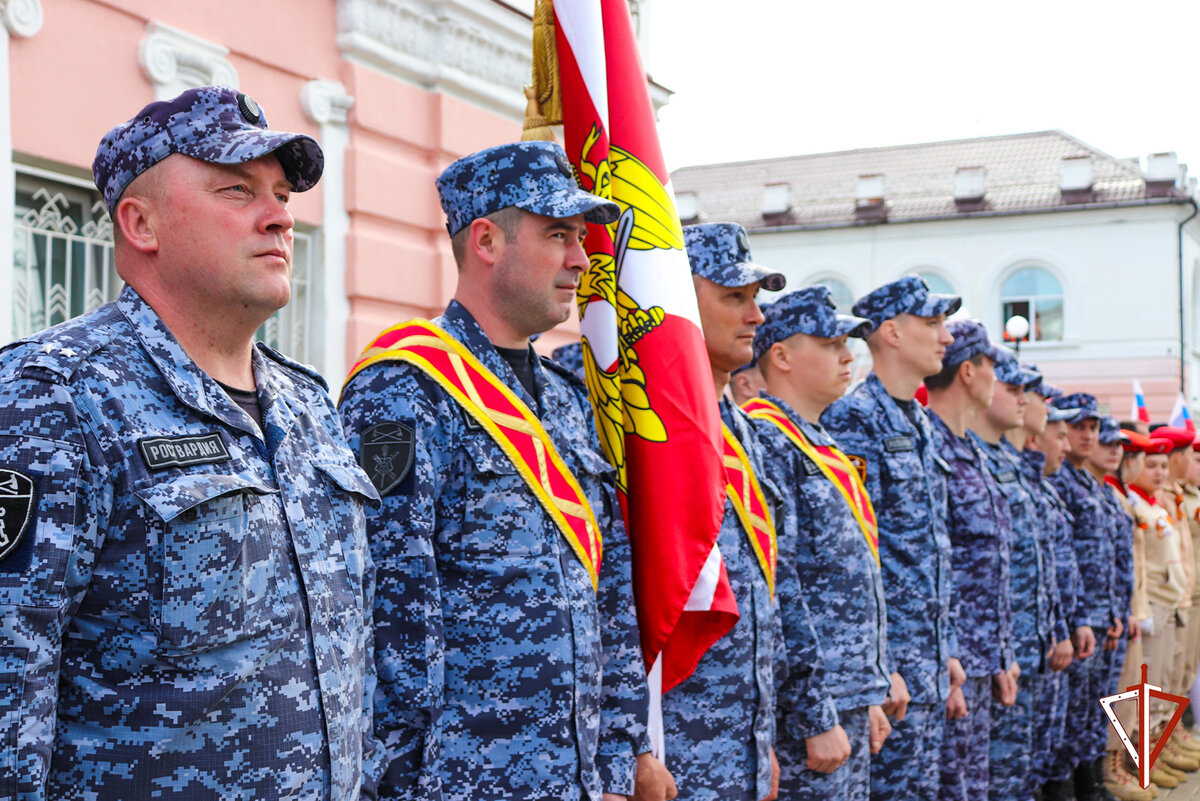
(1166, 582)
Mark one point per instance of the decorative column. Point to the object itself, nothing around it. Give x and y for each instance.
(327, 104)
(22, 19)
(173, 60)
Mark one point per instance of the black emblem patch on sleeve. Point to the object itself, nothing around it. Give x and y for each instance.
(387, 450)
(860, 464)
(163, 452)
(16, 509)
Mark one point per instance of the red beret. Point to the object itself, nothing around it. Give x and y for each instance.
(922, 395)
(1135, 442)
(1196, 444)
(1178, 437)
(1160, 445)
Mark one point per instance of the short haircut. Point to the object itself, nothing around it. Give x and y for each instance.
(946, 377)
(507, 219)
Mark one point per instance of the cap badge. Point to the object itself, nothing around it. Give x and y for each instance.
(249, 109)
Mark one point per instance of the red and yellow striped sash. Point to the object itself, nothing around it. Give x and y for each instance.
(832, 463)
(506, 418)
(751, 505)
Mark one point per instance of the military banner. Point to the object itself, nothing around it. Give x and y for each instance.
(646, 367)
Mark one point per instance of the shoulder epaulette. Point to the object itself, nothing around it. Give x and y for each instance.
(305, 370)
(54, 357)
(561, 370)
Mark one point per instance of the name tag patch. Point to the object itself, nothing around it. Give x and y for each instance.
(898, 444)
(1006, 476)
(162, 452)
(810, 467)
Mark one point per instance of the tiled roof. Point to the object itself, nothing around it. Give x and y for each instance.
(1023, 174)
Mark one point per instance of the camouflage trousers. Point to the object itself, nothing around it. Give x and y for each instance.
(850, 782)
(1015, 740)
(1052, 761)
(907, 767)
(965, 747)
(1086, 682)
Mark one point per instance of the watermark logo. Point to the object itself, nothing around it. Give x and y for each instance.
(1144, 754)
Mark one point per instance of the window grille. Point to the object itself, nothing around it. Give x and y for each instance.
(63, 266)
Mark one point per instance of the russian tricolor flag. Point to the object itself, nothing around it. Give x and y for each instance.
(1139, 411)
(1181, 416)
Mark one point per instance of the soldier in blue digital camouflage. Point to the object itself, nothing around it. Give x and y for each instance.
(1042, 440)
(1093, 613)
(980, 527)
(879, 425)
(503, 671)
(184, 577)
(720, 721)
(830, 562)
(1032, 591)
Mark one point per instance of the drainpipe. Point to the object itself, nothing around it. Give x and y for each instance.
(1182, 356)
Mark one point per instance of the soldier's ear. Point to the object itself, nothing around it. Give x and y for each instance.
(889, 333)
(781, 358)
(485, 240)
(135, 218)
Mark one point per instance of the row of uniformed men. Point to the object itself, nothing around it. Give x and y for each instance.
(194, 571)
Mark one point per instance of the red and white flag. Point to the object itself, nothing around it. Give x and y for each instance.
(645, 362)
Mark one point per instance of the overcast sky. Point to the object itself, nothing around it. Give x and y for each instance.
(762, 78)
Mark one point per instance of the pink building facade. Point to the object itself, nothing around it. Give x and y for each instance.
(393, 89)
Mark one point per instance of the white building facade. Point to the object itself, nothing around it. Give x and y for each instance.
(1085, 246)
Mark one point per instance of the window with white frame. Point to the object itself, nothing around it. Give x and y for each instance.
(839, 291)
(62, 252)
(63, 265)
(1037, 295)
(937, 282)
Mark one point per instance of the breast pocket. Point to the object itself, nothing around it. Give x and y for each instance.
(501, 518)
(219, 560)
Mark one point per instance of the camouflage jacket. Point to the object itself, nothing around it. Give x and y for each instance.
(1094, 601)
(906, 479)
(1059, 554)
(1033, 591)
(189, 611)
(490, 639)
(720, 721)
(980, 533)
(835, 572)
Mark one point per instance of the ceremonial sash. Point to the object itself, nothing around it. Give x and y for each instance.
(833, 464)
(750, 504)
(505, 417)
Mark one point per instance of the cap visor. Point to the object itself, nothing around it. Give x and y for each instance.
(569, 202)
(756, 273)
(853, 326)
(299, 155)
(1058, 415)
(939, 304)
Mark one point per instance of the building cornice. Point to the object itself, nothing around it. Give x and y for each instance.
(477, 50)
(22, 18)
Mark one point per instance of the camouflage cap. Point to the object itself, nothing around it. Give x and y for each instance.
(1110, 431)
(212, 123)
(1084, 404)
(908, 295)
(970, 340)
(1008, 371)
(534, 176)
(720, 252)
(809, 310)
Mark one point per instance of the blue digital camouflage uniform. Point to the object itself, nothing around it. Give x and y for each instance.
(1121, 531)
(826, 563)
(980, 528)
(720, 721)
(1033, 596)
(837, 574)
(906, 480)
(1049, 697)
(1081, 492)
(488, 642)
(188, 613)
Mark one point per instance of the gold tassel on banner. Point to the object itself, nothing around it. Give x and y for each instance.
(543, 108)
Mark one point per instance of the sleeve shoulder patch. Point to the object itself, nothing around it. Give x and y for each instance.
(17, 502)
